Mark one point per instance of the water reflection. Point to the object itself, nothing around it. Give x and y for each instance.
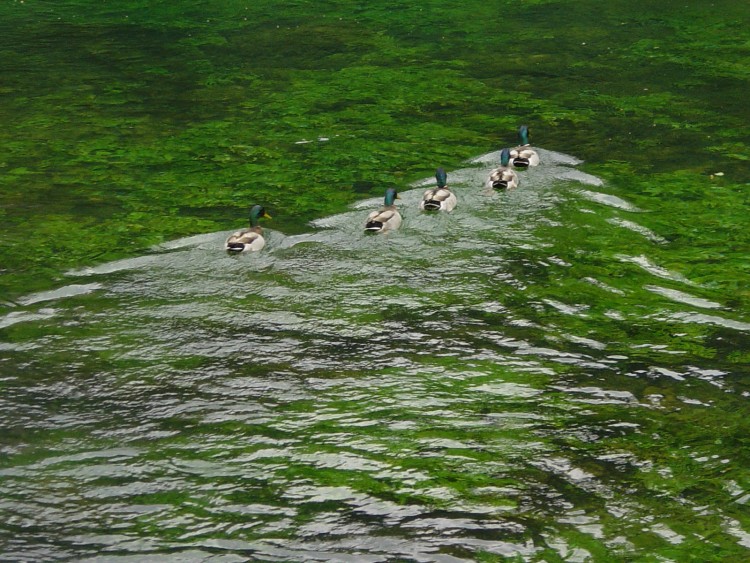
(446, 392)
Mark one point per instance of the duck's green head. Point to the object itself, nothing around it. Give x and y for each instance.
(505, 157)
(442, 177)
(257, 212)
(391, 195)
(523, 134)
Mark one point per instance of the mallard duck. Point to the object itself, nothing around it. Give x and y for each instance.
(440, 198)
(251, 239)
(387, 218)
(523, 155)
(503, 177)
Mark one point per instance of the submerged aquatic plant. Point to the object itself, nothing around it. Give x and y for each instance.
(152, 124)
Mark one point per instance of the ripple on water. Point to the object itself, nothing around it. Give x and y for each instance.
(609, 200)
(648, 265)
(636, 228)
(439, 394)
(682, 297)
(703, 319)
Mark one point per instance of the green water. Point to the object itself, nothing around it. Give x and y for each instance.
(559, 373)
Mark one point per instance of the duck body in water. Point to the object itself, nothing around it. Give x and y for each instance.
(440, 198)
(523, 155)
(503, 177)
(249, 239)
(387, 218)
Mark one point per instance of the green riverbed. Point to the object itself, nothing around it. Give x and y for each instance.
(558, 373)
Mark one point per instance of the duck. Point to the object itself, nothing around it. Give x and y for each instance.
(523, 155)
(503, 177)
(250, 239)
(440, 198)
(387, 218)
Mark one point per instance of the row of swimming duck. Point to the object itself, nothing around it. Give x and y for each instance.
(387, 218)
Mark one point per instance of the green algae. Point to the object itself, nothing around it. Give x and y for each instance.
(153, 124)
(127, 126)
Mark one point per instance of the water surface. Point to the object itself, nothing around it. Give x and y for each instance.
(558, 373)
(454, 391)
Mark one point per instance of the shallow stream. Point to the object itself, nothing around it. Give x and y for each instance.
(557, 373)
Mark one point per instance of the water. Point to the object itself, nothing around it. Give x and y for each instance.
(436, 394)
(559, 373)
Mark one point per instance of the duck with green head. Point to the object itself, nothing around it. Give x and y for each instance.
(249, 239)
(387, 218)
(523, 155)
(503, 177)
(440, 198)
